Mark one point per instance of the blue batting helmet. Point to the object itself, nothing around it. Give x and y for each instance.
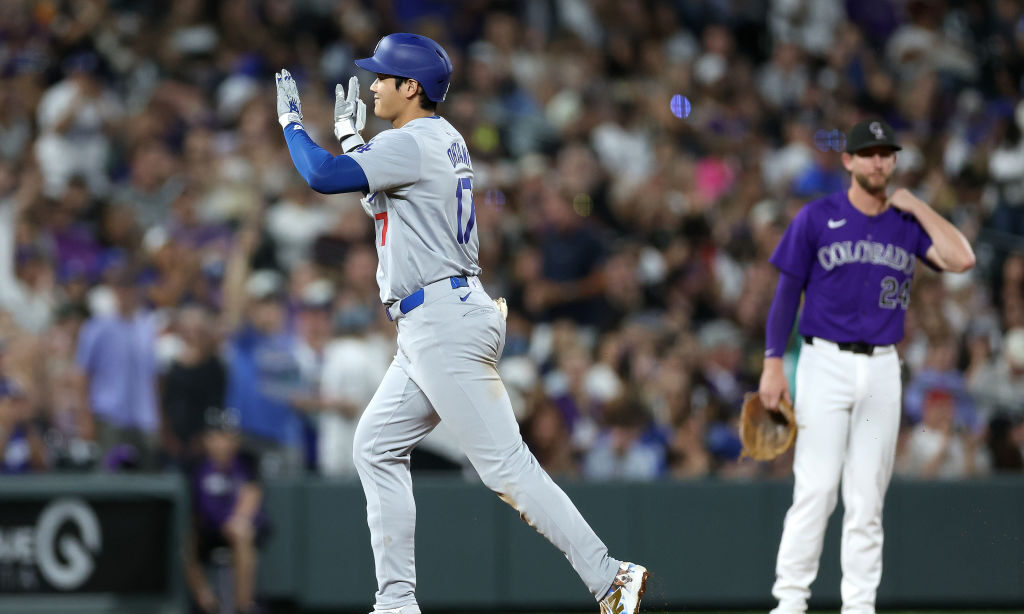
(414, 57)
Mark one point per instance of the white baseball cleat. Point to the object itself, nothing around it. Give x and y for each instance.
(627, 590)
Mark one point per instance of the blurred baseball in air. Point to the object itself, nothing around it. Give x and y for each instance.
(837, 140)
(830, 140)
(821, 140)
(680, 106)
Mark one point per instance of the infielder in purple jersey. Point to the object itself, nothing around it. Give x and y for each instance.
(852, 255)
(419, 181)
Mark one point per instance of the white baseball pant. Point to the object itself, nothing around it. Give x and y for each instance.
(848, 415)
(446, 369)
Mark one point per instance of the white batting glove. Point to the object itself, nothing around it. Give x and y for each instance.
(349, 115)
(502, 307)
(289, 107)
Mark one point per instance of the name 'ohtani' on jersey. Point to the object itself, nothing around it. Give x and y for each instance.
(458, 154)
(870, 252)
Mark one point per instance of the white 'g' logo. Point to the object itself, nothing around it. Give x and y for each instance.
(876, 129)
(77, 564)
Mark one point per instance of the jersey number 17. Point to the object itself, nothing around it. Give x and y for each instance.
(464, 186)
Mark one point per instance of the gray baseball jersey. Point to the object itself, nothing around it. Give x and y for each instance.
(420, 179)
(421, 198)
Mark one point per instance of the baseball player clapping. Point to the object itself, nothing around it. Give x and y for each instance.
(418, 182)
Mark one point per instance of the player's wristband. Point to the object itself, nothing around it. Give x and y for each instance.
(351, 142)
(289, 118)
(347, 136)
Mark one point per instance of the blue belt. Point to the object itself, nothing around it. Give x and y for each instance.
(415, 299)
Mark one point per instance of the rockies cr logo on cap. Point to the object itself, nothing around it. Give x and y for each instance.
(872, 132)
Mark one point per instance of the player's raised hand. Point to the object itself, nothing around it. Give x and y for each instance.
(773, 384)
(904, 200)
(289, 107)
(349, 115)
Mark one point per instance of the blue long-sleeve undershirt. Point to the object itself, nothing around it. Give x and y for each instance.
(325, 173)
(782, 314)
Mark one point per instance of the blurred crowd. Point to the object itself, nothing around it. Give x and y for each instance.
(636, 162)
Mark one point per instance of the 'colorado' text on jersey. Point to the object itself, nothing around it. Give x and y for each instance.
(421, 198)
(856, 269)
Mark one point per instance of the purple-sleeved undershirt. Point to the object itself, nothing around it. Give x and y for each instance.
(782, 314)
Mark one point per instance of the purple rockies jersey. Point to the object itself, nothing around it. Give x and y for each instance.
(856, 269)
(215, 489)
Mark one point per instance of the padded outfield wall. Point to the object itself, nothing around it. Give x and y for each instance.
(96, 544)
(708, 544)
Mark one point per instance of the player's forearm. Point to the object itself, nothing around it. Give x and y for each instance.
(233, 288)
(8, 226)
(37, 450)
(64, 123)
(85, 423)
(782, 315)
(934, 465)
(950, 244)
(970, 457)
(323, 172)
(340, 406)
(248, 503)
(590, 286)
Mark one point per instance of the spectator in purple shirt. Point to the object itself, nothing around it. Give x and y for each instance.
(227, 511)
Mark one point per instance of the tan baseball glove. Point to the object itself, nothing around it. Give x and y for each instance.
(765, 433)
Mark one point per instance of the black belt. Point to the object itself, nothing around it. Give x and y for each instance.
(857, 347)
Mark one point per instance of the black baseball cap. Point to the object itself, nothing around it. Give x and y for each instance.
(871, 133)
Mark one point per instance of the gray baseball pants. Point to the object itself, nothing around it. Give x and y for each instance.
(445, 369)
